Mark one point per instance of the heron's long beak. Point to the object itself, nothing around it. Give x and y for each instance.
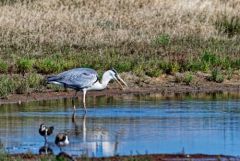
(119, 81)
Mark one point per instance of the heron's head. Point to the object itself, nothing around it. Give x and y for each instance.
(115, 76)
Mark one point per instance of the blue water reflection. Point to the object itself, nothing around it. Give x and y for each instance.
(126, 126)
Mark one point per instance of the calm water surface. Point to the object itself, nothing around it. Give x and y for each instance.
(126, 125)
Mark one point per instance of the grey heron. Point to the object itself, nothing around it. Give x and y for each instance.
(85, 79)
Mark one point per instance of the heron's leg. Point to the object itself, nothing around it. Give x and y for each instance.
(84, 100)
(73, 100)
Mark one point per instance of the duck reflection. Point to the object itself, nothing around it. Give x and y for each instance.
(96, 141)
(64, 156)
(45, 150)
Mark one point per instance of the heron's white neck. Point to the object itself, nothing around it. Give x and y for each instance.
(104, 82)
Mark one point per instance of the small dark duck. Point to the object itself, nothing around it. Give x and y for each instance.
(61, 140)
(45, 131)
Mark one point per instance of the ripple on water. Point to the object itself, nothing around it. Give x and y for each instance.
(137, 126)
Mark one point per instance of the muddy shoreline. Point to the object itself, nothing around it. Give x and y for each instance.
(164, 89)
(165, 85)
(146, 157)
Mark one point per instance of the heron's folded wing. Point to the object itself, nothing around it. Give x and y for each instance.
(82, 80)
(79, 78)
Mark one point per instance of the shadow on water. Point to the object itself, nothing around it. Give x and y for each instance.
(126, 125)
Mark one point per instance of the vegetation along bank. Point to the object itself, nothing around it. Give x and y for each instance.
(149, 42)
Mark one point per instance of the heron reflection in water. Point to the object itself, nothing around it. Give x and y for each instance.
(85, 79)
(99, 146)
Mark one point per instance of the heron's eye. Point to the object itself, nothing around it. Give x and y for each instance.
(113, 74)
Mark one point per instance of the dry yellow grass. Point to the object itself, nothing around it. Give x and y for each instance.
(147, 37)
(109, 22)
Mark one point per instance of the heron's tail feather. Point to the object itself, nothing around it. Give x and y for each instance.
(49, 79)
(54, 80)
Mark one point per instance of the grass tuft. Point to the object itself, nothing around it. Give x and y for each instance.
(24, 65)
(47, 66)
(229, 73)
(22, 87)
(7, 85)
(3, 66)
(188, 78)
(35, 80)
(162, 40)
(216, 75)
(229, 25)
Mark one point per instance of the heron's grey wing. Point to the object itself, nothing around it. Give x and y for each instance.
(78, 78)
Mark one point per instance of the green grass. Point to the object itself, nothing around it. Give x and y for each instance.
(3, 66)
(34, 80)
(162, 40)
(229, 73)
(181, 54)
(48, 66)
(7, 85)
(20, 84)
(188, 78)
(216, 75)
(164, 54)
(24, 65)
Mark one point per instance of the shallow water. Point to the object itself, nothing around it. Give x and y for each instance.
(124, 125)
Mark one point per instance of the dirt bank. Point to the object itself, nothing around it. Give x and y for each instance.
(153, 157)
(166, 85)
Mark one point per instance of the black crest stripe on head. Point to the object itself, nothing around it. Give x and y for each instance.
(114, 70)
